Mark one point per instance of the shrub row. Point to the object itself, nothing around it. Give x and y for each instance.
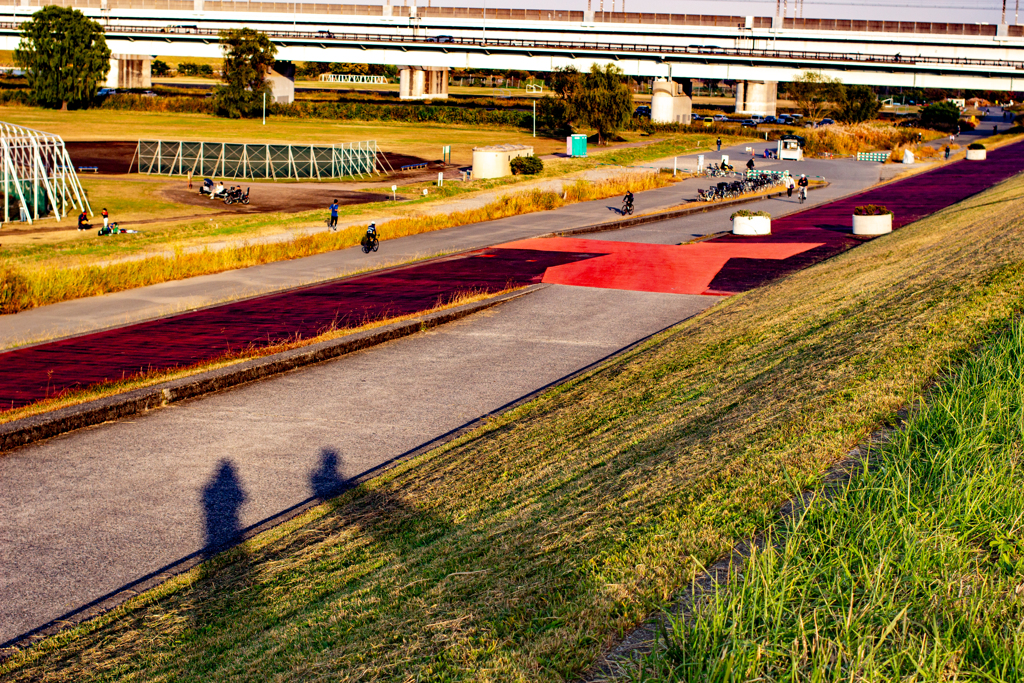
(413, 113)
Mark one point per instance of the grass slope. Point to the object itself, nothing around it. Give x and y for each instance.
(521, 550)
(912, 572)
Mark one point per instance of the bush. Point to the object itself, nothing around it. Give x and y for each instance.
(975, 145)
(205, 70)
(871, 210)
(188, 69)
(743, 213)
(530, 165)
(940, 116)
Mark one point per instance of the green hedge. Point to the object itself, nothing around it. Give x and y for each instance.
(412, 113)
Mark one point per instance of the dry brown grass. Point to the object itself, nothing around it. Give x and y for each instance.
(519, 551)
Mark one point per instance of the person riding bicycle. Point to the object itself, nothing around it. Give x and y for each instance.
(803, 183)
(750, 164)
(628, 199)
(371, 231)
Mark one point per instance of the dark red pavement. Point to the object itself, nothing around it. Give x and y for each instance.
(721, 266)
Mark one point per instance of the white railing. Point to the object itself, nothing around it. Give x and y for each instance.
(533, 87)
(353, 78)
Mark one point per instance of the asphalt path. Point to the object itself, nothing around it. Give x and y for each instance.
(92, 513)
(96, 313)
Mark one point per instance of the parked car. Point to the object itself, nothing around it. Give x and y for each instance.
(749, 123)
(642, 112)
(826, 122)
(770, 119)
(103, 92)
(720, 117)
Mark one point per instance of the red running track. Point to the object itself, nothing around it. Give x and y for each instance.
(724, 265)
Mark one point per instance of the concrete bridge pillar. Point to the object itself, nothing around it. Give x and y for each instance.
(670, 102)
(129, 71)
(422, 82)
(282, 82)
(756, 97)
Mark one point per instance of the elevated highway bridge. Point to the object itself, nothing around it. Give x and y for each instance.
(762, 50)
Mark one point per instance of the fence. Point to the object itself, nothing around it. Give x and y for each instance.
(238, 160)
(353, 78)
(881, 157)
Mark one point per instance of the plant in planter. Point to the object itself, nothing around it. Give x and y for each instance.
(871, 210)
(976, 151)
(872, 219)
(975, 145)
(751, 223)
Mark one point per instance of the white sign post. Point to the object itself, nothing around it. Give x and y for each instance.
(700, 163)
(393, 197)
(440, 178)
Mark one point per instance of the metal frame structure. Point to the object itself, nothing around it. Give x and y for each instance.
(257, 161)
(38, 171)
(353, 78)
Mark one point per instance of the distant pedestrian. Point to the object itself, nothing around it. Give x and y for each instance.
(947, 152)
(995, 129)
(334, 215)
(951, 138)
(790, 184)
(190, 180)
(750, 164)
(958, 129)
(719, 143)
(106, 218)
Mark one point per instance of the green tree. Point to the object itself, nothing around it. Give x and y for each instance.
(940, 115)
(815, 93)
(160, 67)
(64, 55)
(248, 57)
(604, 102)
(858, 104)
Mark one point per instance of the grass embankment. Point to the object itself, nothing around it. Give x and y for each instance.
(23, 288)
(148, 379)
(519, 551)
(913, 571)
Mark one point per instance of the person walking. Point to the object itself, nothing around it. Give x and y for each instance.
(719, 143)
(750, 164)
(334, 215)
(190, 179)
(106, 218)
(947, 152)
(790, 185)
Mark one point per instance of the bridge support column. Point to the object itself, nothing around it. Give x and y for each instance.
(422, 82)
(282, 82)
(756, 97)
(670, 103)
(129, 71)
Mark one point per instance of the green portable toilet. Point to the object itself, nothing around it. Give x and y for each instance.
(576, 145)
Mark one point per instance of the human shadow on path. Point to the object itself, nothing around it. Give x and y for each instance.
(325, 481)
(222, 499)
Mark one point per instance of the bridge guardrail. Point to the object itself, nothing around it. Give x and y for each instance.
(746, 53)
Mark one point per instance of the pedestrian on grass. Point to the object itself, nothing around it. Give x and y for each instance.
(106, 218)
(190, 179)
(334, 215)
(947, 152)
(83, 223)
(719, 143)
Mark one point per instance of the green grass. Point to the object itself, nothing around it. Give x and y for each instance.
(521, 550)
(914, 571)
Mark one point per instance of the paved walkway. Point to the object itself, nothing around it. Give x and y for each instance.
(97, 513)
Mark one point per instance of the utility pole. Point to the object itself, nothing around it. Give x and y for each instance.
(1003, 20)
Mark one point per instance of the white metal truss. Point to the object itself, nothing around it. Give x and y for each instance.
(260, 161)
(38, 172)
(353, 78)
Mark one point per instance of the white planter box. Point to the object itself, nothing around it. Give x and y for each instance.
(872, 225)
(751, 226)
(976, 154)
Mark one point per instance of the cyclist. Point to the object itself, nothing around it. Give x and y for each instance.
(627, 201)
(803, 183)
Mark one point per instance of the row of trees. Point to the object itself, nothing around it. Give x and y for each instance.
(817, 95)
